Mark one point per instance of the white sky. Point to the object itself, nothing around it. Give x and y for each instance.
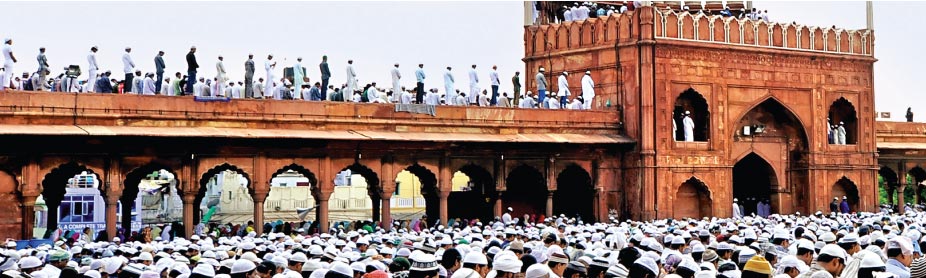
(377, 34)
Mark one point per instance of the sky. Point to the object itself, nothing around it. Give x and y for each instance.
(378, 34)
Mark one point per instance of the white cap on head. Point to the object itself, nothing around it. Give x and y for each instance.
(833, 250)
(7, 39)
(242, 266)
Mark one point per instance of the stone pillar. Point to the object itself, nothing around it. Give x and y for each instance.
(323, 211)
(443, 207)
(259, 198)
(445, 186)
(900, 202)
(28, 211)
(550, 203)
(498, 205)
(111, 202)
(550, 173)
(386, 210)
(188, 199)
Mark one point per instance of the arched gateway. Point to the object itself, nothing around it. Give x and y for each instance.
(770, 151)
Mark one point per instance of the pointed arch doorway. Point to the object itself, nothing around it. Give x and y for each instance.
(753, 180)
(770, 148)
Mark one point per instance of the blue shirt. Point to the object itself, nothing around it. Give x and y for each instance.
(419, 75)
(895, 267)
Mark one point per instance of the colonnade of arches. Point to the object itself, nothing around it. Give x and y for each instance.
(896, 189)
(475, 195)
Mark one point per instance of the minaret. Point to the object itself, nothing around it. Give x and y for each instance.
(870, 15)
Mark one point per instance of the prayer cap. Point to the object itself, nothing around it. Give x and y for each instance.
(7, 39)
(759, 265)
(475, 258)
(649, 264)
(833, 250)
(424, 262)
(29, 262)
(537, 271)
(242, 266)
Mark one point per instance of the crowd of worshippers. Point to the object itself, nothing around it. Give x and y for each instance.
(585, 10)
(864, 245)
(295, 87)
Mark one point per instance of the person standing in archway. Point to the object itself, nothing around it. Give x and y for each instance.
(834, 206)
(844, 206)
(506, 217)
(688, 125)
(841, 134)
(737, 209)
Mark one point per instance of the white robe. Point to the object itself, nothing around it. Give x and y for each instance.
(588, 91)
(298, 78)
(148, 88)
(92, 70)
(236, 91)
(688, 125)
(406, 98)
(220, 75)
(448, 87)
(473, 86)
(736, 211)
(351, 80)
(563, 86)
(396, 80)
(198, 89)
(459, 101)
(268, 67)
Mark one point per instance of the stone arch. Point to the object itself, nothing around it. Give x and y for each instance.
(476, 202)
(204, 180)
(429, 190)
(693, 102)
(914, 180)
(372, 179)
(575, 193)
(540, 40)
(611, 30)
(754, 181)
(846, 187)
(54, 188)
(842, 111)
(772, 105)
(130, 189)
(526, 191)
(313, 180)
(692, 200)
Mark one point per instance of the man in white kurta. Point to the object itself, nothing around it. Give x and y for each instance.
(473, 85)
(351, 80)
(268, 67)
(588, 90)
(737, 213)
(564, 92)
(128, 66)
(92, 68)
(298, 77)
(396, 79)
(8, 60)
(149, 86)
(198, 87)
(448, 87)
(841, 134)
(688, 126)
(221, 77)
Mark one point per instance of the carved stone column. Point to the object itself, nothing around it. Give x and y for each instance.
(111, 202)
(259, 198)
(188, 199)
(28, 211)
(550, 203)
(386, 209)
